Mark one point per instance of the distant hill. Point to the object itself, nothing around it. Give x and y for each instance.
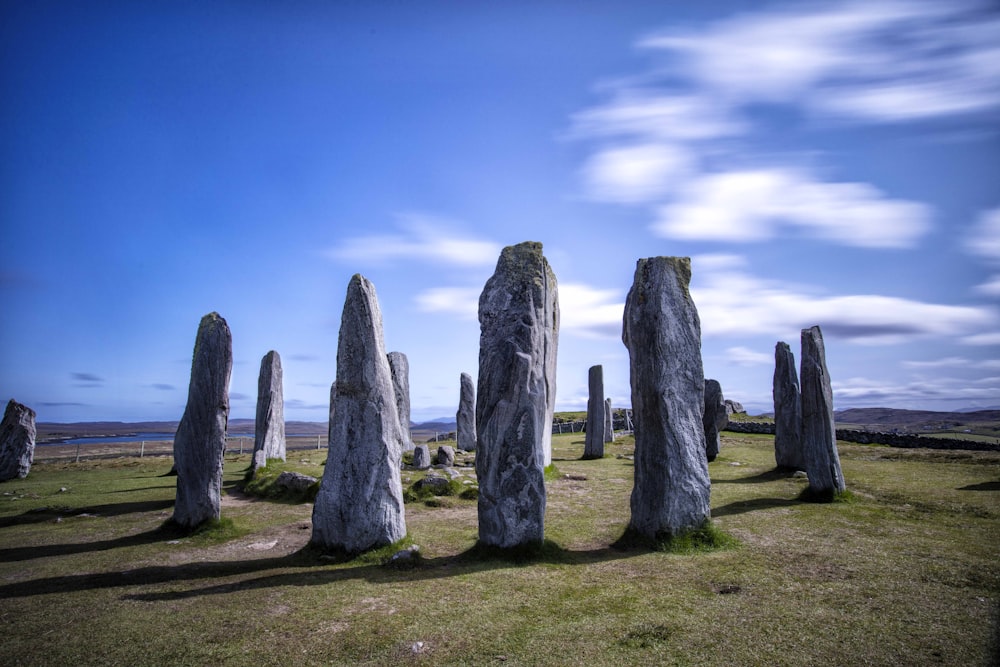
(911, 417)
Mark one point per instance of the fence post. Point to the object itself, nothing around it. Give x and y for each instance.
(142, 449)
(241, 446)
(77, 452)
(317, 442)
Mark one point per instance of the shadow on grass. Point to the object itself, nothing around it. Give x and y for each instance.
(306, 567)
(768, 476)
(983, 486)
(742, 506)
(44, 514)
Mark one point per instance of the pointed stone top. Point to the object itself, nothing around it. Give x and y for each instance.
(522, 259)
(18, 408)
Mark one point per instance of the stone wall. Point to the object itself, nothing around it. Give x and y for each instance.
(906, 440)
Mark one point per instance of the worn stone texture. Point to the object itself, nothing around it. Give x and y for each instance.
(17, 441)
(359, 505)
(519, 320)
(788, 452)
(593, 442)
(819, 435)
(609, 422)
(662, 332)
(421, 457)
(200, 441)
(734, 407)
(399, 366)
(445, 456)
(466, 415)
(329, 424)
(715, 418)
(269, 428)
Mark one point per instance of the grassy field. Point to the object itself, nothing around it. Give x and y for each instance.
(908, 573)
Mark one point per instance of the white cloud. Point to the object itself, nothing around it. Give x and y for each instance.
(984, 239)
(988, 338)
(781, 311)
(991, 287)
(422, 238)
(637, 173)
(646, 116)
(884, 61)
(460, 301)
(742, 356)
(591, 312)
(859, 391)
(752, 205)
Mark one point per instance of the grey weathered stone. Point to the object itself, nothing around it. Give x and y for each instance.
(519, 320)
(17, 441)
(734, 407)
(445, 456)
(269, 428)
(333, 403)
(359, 505)
(295, 482)
(593, 447)
(466, 415)
(819, 436)
(715, 418)
(609, 422)
(662, 332)
(433, 482)
(399, 366)
(787, 410)
(421, 457)
(200, 440)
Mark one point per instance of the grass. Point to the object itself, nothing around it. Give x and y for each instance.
(907, 572)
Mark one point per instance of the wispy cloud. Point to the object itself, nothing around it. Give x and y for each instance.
(591, 312)
(460, 301)
(781, 310)
(743, 356)
(87, 380)
(860, 391)
(161, 386)
(421, 238)
(754, 205)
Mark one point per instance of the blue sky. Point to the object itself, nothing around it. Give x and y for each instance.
(831, 163)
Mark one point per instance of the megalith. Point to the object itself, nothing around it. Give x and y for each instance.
(787, 410)
(421, 457)
(519, 325)
(200, 441)
(609, 422)
(359, 505)
(593, 447)
(715, 418)
(17, 441)
(819, 435)
(465, 418)
(662, 332)
(445, 456)
(269, 427)
(399, 366)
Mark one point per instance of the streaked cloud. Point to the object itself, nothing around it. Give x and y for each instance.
(861, 391)
(638, 113)
(781, 310)
(983, 239)
(591, 312)
(460, 301)
(637, 173)
(744, 356)
(162, 386)
(758, 204)
(421, 238)
(952, 362)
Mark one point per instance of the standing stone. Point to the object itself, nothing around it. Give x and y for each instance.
(519, 320)
(17, 441)
(360, 500)
(466, 415)
(421, 457)
(445, 456)
(593, 447)
(399, 366)
(609, 422)
(787, 410)
(200, 440)
(819, 436)
(269, 428)
(329, 424)
(716, 417)
(662, 332)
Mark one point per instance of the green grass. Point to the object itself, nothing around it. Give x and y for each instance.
(907, 572)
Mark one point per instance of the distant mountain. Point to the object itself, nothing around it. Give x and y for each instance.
(912, 418)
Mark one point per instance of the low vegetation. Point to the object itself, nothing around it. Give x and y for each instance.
(906, 572)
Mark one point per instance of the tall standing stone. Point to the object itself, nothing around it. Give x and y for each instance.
(269, 428)
(609, 422)
(714, 419)
(200, 440)
(593, 447)
(399, 366)
(819, 435)
(519, 324)
(787, 410)
(465, 418)
(359, 505)
(662, 332)
(17, 441)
